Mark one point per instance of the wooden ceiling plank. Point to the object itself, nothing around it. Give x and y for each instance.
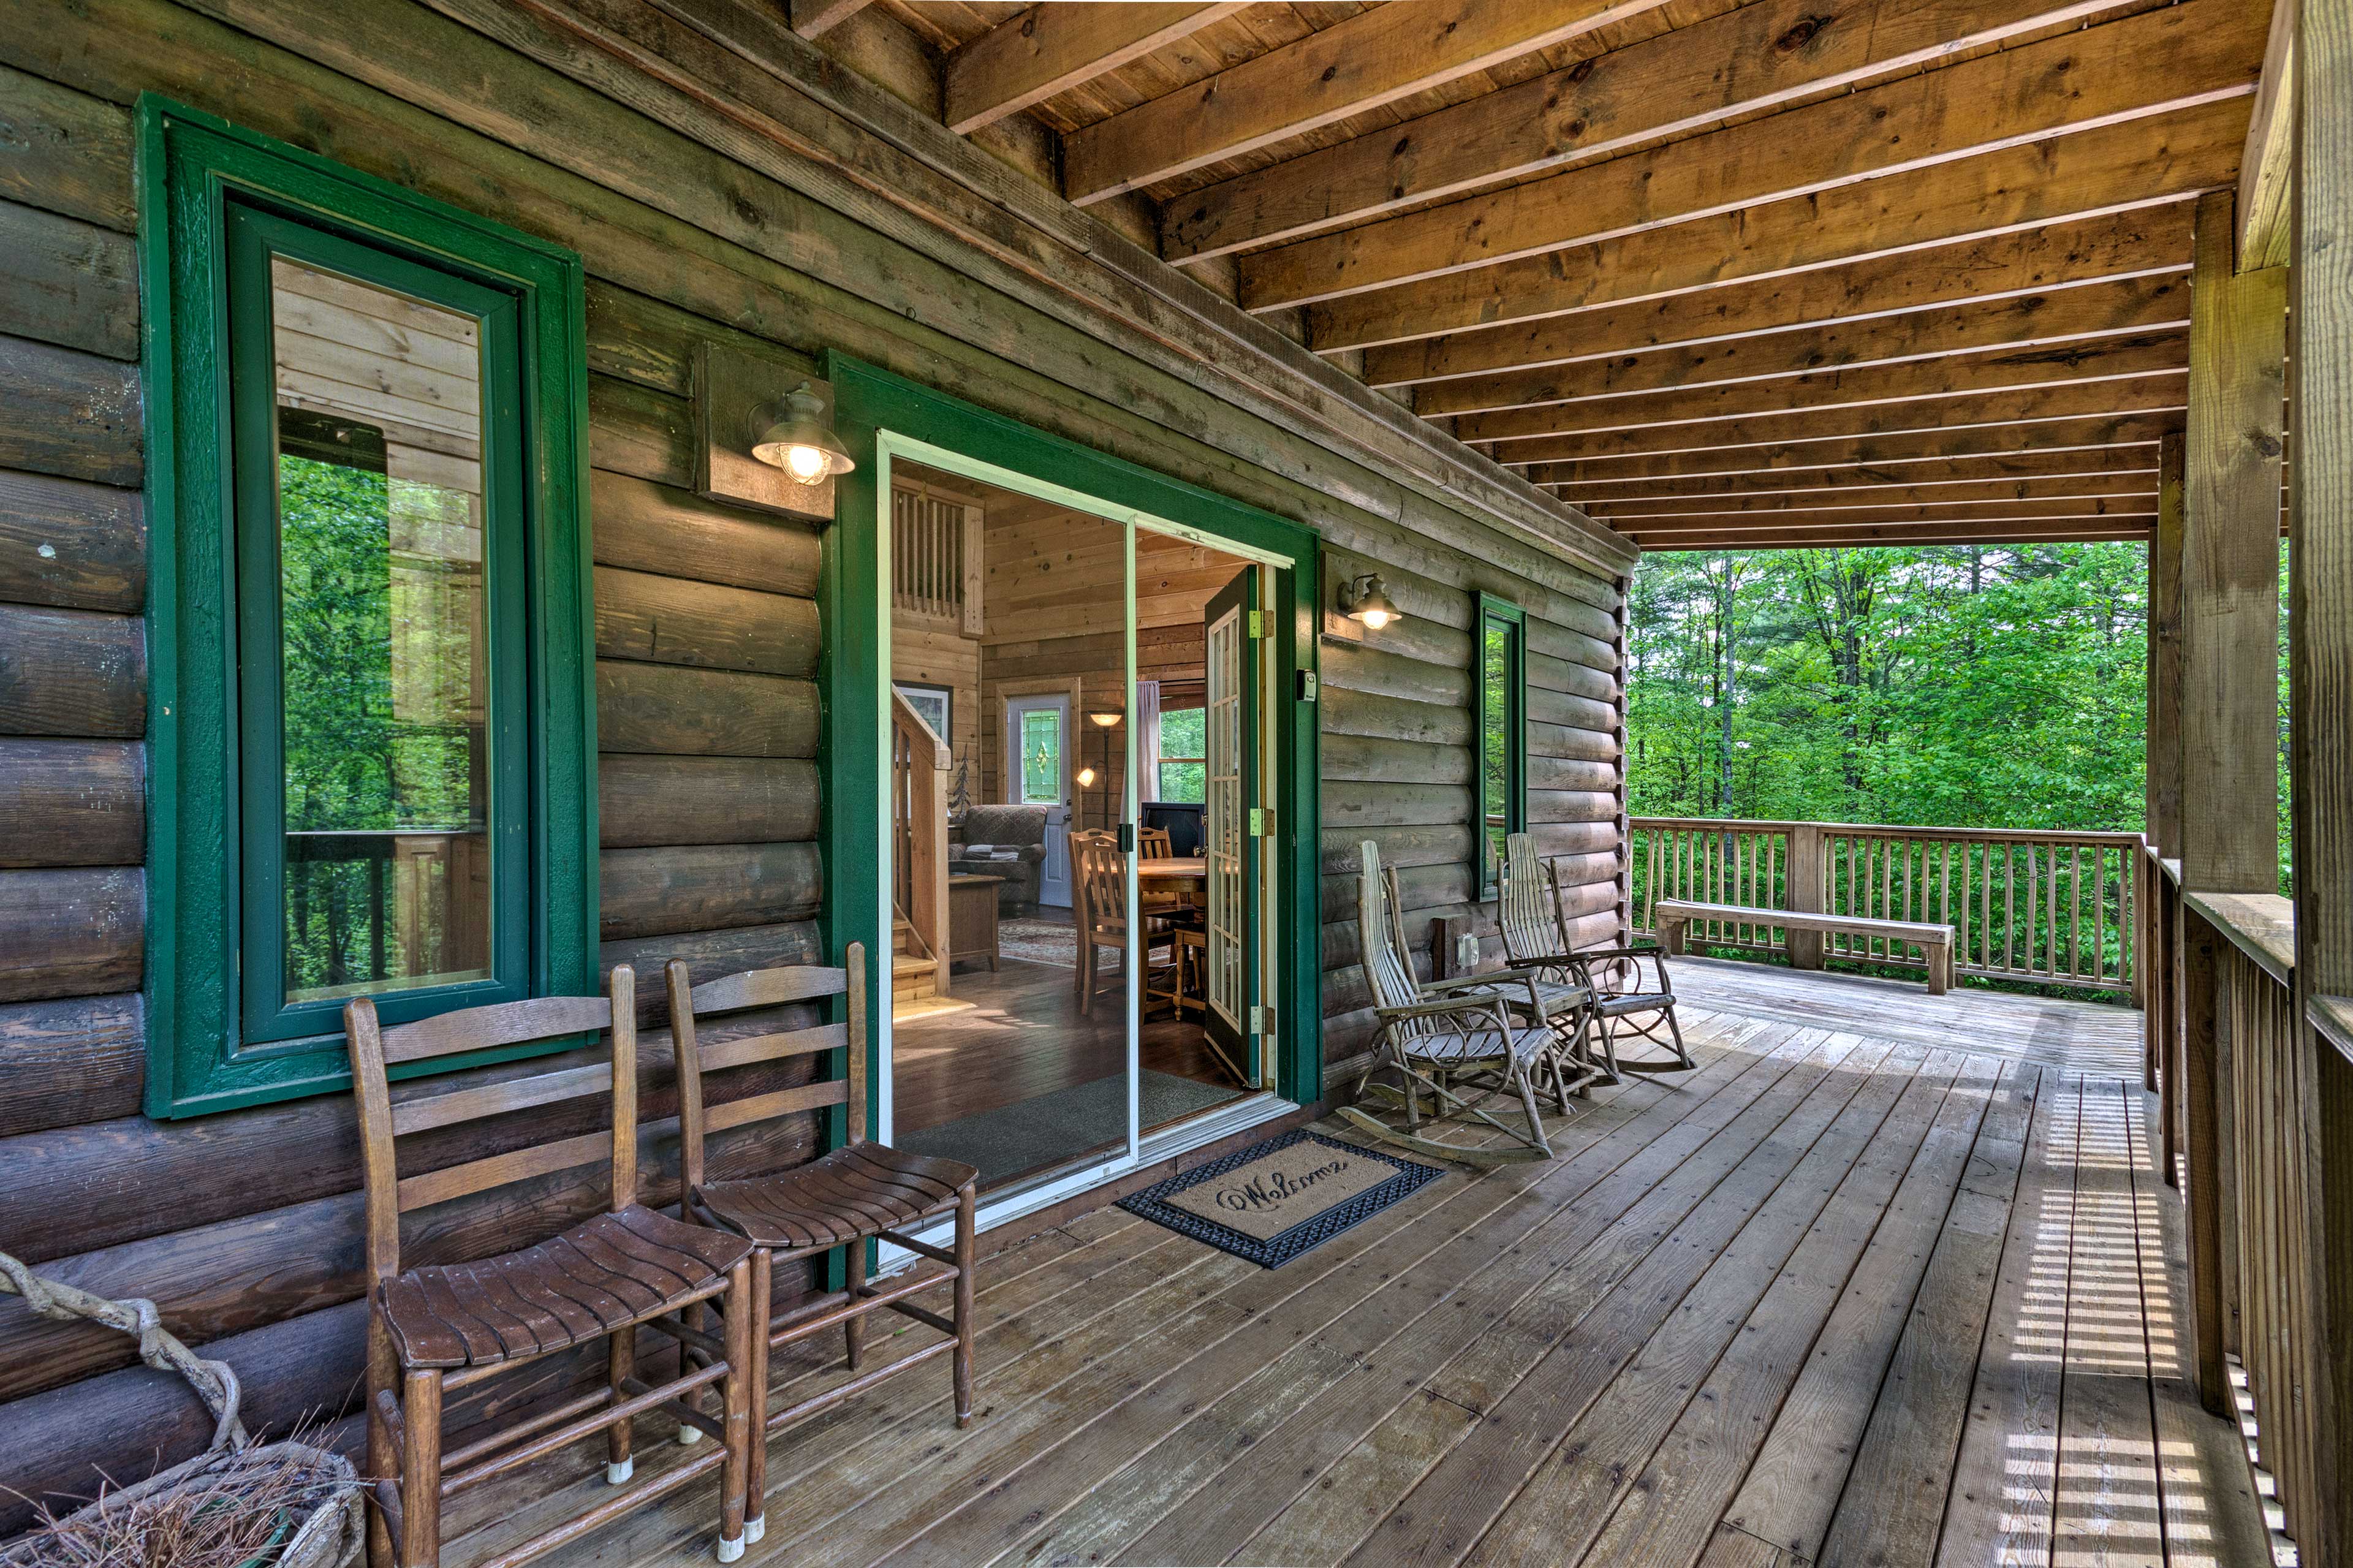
(1374, 57)
(2033, 467)
(2159, 62)
(2147, 304)
(1991, 511)
(1989, 417)
(1679, 82)
(2110, 248)
(2063, 438)
(1959, 377)
(2266, 170)
(1880, 535)
(1957, 493)
(1048, 50)
(2114, 169)
(814, 18)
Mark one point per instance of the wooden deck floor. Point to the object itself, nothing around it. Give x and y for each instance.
(1835, 1298)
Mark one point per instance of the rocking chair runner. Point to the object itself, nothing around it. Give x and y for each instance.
(1437, 1037)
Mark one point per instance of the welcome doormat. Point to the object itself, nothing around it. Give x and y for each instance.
(1275, 1200)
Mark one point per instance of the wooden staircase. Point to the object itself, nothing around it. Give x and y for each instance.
(915, 975)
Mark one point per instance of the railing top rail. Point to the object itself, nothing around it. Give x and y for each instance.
(919, 731)
(1898, 830)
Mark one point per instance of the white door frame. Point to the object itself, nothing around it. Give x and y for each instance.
(1029, 1196)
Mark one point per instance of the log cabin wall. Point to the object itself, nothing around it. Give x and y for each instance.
(245, 1226)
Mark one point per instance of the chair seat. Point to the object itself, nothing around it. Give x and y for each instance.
(1468, 1045)
(615, 1270)
(848, 1196)
(1652, 1002)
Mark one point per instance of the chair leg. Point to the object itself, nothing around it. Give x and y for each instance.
(1528, 1101)
(1085, 977)
(420, 1469)
(853, 1328)
(384, 1380)
(1683, 1052)
(740, 1331)
(965, 1250)
(621, 1364)
(755, 1474)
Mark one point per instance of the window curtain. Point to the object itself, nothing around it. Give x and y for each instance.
(1147, 740)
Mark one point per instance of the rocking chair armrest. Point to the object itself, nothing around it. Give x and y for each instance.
(1489, 1011)
(1631, 955)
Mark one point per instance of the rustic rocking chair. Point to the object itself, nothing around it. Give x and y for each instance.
(1624, 1008)
(862, 1191)
(437, 1330)
(1533, 947)
(1438, 1038)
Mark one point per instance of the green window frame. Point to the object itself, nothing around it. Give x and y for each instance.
(217, 203)
(1499, 734)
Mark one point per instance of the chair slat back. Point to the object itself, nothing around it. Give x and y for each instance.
(374, 1049)
(1154, 844)
(1529, 929)
(1100, 881)
(690, 1003)
(1388, 968)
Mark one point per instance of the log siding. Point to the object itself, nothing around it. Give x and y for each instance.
(245, 1226)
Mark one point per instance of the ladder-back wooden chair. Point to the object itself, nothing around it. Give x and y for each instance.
(858, 1193)
(1626, 1004)
(433, 1330)
(1532, 947)
(1436, 1039)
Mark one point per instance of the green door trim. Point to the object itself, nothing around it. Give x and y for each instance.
(869, 401)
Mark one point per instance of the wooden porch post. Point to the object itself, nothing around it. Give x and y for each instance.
(2320, 725)
(1805, 892)
(2229, 700)
(2164, 784)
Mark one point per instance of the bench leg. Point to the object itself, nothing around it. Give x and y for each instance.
(1940, 970)
(1671, 936)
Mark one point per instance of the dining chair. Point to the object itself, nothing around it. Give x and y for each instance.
(1165, 903)
(859, 1192)
(436, 1329)
(1099, 895)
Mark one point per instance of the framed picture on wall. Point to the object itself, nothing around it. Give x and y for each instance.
(936, 703)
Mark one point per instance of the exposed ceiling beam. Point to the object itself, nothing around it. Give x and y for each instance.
(2115, 169)
(1959, 378)
(1374, 58)
(2060, 256)
(2030, 510)
(2009, 438)
(2138, 487)
(2065, 532)
(2267, 170)
(1048, 50)
(2070, 315)
(1684, 81)
(2159, 62)
(812, 18)
(1993, 413)
(2034, 467)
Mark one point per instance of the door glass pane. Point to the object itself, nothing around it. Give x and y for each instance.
(1041, 755)
(1494, 747)
(383, 667)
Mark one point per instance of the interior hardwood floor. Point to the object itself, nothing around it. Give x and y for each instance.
(1833, 1298)
(1026, 1036)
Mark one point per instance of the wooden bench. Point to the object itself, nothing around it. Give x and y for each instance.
(1672, 916)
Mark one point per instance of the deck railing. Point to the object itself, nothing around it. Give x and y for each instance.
(2053, 907)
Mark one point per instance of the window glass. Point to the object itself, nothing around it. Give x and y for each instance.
(1182, 747)
(1041, 756)
(1502, 746)
(384, 664)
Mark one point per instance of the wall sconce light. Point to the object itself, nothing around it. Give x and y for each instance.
(1365, 599)
(797, 438)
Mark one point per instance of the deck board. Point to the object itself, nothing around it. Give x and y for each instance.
(1868, 1286)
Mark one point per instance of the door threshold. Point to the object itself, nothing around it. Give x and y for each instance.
(1055, 1186)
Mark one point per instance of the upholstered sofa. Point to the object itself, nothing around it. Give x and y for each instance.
(1018, 829)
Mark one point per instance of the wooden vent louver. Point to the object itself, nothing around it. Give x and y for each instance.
(936, 557)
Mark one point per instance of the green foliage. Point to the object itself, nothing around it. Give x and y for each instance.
(1183, 735)
(1983, 686)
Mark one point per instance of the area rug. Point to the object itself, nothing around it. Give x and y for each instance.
(1047, 941)
(1047, 1129)
(1275, 1200)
